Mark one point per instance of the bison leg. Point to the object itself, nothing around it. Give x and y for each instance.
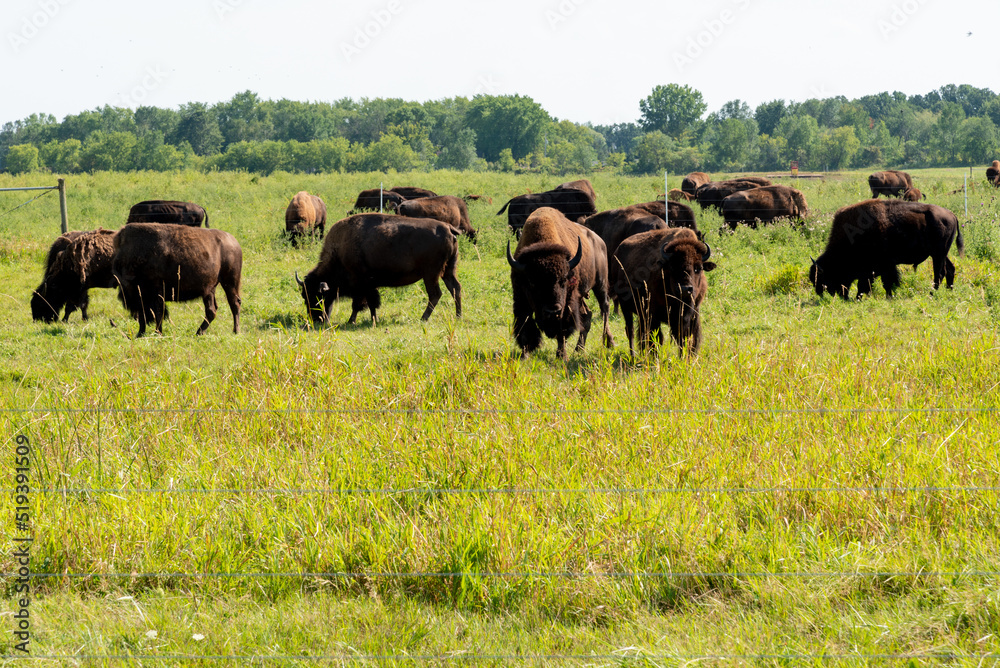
(235, 302)
(890, 279)
(586, 316)
(455, 288)
(629, 329)
(357, 304)
(601, 292)
(949, 272)
(211, 308)
(561, 346)
(84, 302)
(433, 289)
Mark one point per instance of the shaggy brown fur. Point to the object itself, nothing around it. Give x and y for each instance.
(693, 181)
(412, 192)
(305, 213)
(572, 203)
(582, 185)
(763, 204)
(82, 261)
(368, 200)
(993, 173)
(446, 208)
(712, 194)
(891, 183)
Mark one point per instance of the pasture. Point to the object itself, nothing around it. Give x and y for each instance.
(821, 481)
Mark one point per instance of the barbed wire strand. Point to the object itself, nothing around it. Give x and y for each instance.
(26, 203)
(542, 575)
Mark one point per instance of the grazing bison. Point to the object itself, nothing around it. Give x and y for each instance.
(77, 262)
(680, 215)
(993, 173)
(616, 225)
(913, 195)
(154, 264)
(169, 212)
(711, 194)
(305, 213)
(871, 237)
(476, 198)
(571, 202)
(555, 266)
(446, 208)
(693, 181)
(582, 185)
(891, 183)
(365, 252)
(659, 277)
(676, 195)
(763, 204)
(370, 200)
(412, 192)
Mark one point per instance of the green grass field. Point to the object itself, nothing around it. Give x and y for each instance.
(820, 484)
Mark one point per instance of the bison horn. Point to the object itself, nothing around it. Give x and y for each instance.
(515, 265)
(298, 280)
(707, 254)
(579, 254)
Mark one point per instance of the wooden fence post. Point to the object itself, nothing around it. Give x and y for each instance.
(62, 206)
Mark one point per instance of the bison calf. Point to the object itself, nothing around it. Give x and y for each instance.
(659, 277)
(155, 263)
(367, 251)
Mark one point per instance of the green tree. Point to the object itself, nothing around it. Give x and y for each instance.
(838, 146)
(109, 151)
(671, 109)
(947, 132)
(800, 132)
(655, 152)
(62, 157)
(768, 115)
(198, 127)
(731, 142)
(22, 158)
(977, 141)
(506, 121)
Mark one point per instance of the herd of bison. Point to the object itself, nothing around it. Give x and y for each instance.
(648, 259)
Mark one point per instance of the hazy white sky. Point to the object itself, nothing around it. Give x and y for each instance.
(585, 60)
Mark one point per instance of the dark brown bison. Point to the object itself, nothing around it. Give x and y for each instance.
(571, 202)
(168, 212)
(371, 200)
(675, 214)
(77, 262)
(446, 208)
(891, 183)
(582, 184)
(993, 173)
(412, 192)
(616, 225)
(693, 181)
(154, 264)
(870, 238)
(763, 204)
(368, 251)
(305, 213)
(659, 277)
(759, 180)
(711, 194)
(554, 268)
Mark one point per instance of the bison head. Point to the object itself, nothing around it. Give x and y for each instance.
(684, 265)
(825, 279)
(43, 306)
(547, 272)
(318, 297)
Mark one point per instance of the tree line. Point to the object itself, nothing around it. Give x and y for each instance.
(950, 126)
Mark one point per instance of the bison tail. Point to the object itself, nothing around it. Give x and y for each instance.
(960, 242)
(206, 219)
(504, 208)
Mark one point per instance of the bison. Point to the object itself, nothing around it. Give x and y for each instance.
(693, 181)
(676, 195)
(711, 194)
(616, 225)
(154, 264)
(571, 202)
(913, 195)
(305, 213)
(372, 200)
(77, 262)
(891, 183)
(871, 237)
(365, 252)
(675, 214)
(583, 185)
(659, 277)
(169, 212)
(554, 268)
(763, 204)
(412, 192)
(993, 173)
(446, 208)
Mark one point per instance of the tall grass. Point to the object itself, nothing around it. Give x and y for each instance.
(819, 463)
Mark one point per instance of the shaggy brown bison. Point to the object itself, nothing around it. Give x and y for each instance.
(659, 277)
(168, 212)
(571, 202)
(371, 200)
(711, 194)
(154, 264)
(305, 213)
(693, 181)
(677, 195)
(412, 192)
(993, 173)
(446, 208)
(77, 262)
(582, 185)
(870, 238)
(368, 251)
(555, 266)
(891, 183)
(763, 204)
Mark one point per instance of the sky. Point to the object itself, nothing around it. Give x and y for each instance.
(582, 60)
